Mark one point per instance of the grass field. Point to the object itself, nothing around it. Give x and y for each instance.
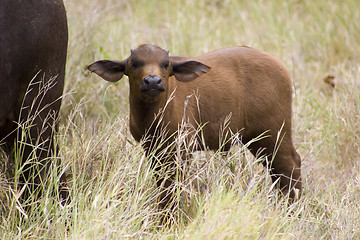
(112, 188)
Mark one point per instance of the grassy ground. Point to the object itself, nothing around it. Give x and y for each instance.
(111, 184)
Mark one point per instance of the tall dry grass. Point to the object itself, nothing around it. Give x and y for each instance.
(112, 187)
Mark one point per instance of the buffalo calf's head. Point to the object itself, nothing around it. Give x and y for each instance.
(149, 68)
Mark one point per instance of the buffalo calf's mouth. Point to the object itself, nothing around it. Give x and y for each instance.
(153, 91)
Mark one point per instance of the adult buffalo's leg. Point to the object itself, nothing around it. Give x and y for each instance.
(35, 138)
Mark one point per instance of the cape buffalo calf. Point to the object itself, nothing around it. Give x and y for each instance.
(251, 86)
(33, 48)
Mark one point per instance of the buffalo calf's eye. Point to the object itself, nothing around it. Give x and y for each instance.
(165, 65)
(136, 64)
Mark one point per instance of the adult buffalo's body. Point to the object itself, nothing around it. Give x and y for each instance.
(251, 86)
(33, 48)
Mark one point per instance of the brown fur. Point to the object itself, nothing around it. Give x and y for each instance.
(251, 86)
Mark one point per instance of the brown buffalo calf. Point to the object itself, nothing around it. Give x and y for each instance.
(251, 86)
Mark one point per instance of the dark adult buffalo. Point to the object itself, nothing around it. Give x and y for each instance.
(251, 86)
(33, 48)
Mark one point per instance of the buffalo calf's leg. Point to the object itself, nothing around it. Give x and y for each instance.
(284, 163)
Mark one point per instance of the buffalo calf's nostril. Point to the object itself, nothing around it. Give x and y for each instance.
(152, 80)
(152, 84)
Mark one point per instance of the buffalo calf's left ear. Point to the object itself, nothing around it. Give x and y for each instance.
(189, 70)
(109, 70)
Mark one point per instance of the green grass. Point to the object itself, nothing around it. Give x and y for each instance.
(112, 188)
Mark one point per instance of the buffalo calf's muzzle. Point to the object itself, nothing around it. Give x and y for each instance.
(152, 85)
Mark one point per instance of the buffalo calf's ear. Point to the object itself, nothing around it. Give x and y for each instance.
(189, 70)
(111, 71)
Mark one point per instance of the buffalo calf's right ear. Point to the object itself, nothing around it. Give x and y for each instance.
(111, 71)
